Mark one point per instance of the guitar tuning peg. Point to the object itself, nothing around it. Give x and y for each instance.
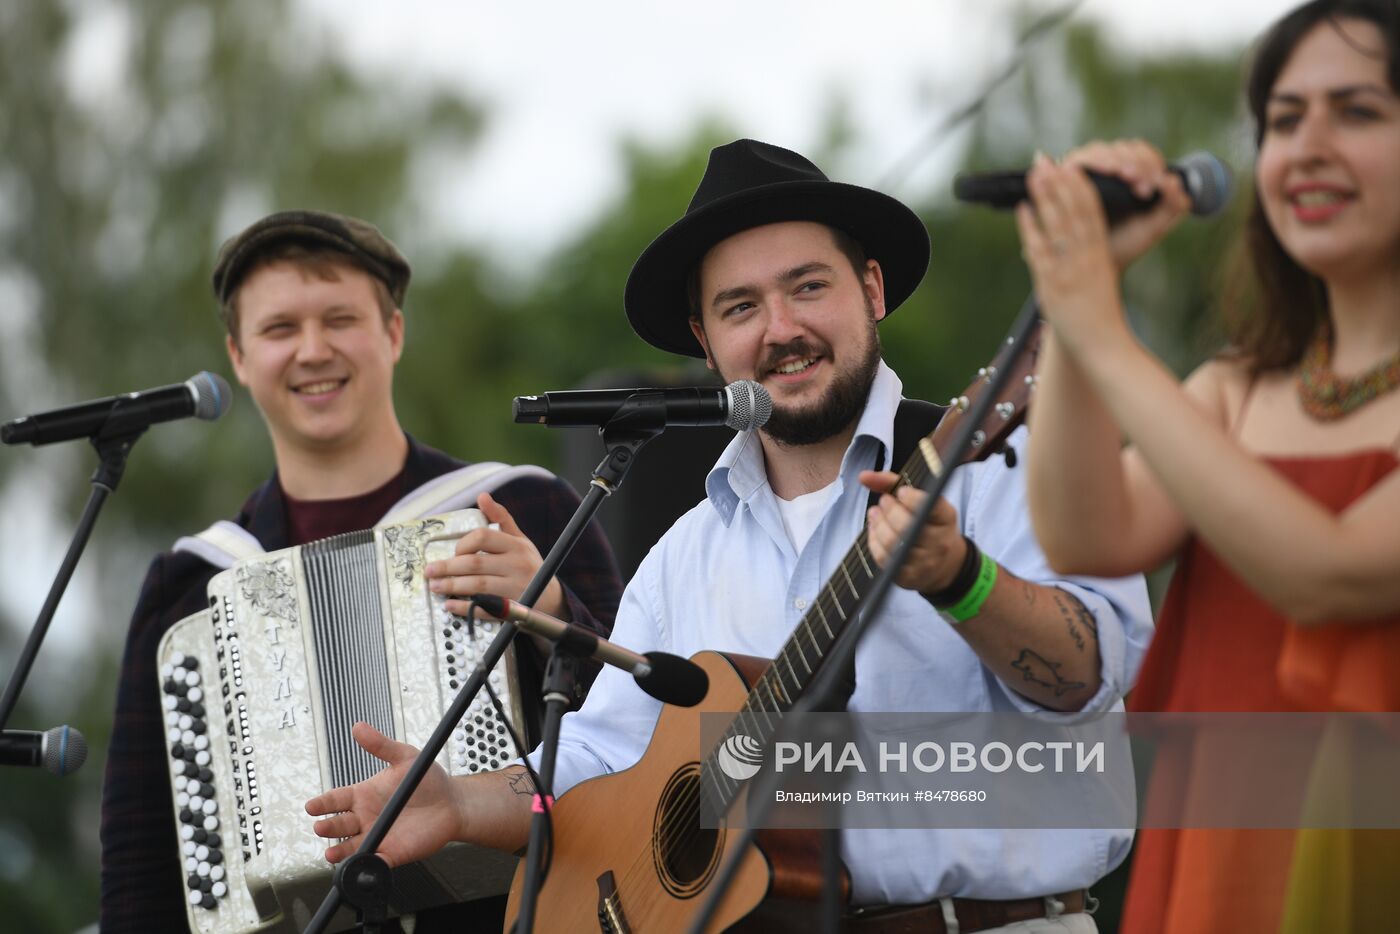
(987, 372)
(960, 403)
(1006, 410)
(1030, 380)
(979, 437)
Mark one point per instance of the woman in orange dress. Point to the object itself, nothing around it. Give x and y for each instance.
(1269, 475)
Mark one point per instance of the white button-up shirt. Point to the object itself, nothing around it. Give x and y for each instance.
(725, 577)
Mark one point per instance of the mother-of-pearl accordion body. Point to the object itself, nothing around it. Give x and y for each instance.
(260, 692)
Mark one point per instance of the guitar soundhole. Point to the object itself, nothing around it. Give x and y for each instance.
(686, 855)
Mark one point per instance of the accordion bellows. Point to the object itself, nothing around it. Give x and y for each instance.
(260, 692)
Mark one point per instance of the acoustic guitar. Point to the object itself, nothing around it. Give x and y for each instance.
(644, 868)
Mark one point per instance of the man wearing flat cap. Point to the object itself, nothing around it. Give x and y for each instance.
(312, 306)
(779, 275)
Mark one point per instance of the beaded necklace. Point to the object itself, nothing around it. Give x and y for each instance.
(1327, 396)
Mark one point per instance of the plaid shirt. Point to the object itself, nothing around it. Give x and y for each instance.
(142, 876)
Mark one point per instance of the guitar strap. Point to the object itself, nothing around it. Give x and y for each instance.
(914, 420)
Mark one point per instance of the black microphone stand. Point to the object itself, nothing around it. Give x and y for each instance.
(113, 443)
(826, 686)
(363, 879)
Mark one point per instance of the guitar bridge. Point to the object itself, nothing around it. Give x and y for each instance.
(611, 920)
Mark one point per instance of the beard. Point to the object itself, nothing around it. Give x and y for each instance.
(841, 406)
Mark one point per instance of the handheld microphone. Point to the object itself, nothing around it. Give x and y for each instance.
(743, 405)
(668, 678)
(205, 395)
(1206, 178)
(62, 750)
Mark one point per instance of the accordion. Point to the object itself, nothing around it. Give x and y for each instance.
(260, 692)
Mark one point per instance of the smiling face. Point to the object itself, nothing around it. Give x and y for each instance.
(781, 304)
(1328, 173)
(318, 356)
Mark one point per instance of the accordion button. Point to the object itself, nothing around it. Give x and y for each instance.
(211, 823)
(199, 727)
(178, 660)
(172, 720)
(196, 803)
(187, 737)
(201, 742)
(196, 897)
(186, 721)
(182, 800)
(189, 753)
(202, 757)
(191, 770)
(191, 662)
(183, 705)
(209, 902)
(186, 816)
(192, 678)
(195, 695)
(216, 873)
(219, 890)
(170, 702)
(206, 790)
(187, 833)
(210, 807)
(188, 848)
(169, 686)
(205, 775)
(215, 857)
(199, 835)
(203, 872)
(166, 671)
(201, 853)
(214, 841)
(177, 767)
(191, 864)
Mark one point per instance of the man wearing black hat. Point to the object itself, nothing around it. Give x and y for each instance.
(779, 275)
(311, 303)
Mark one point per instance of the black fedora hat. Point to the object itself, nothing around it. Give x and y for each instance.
(749, 184)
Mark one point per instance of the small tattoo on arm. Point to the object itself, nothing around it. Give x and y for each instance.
(1036, 669)
(1078, 620)
(521, 784)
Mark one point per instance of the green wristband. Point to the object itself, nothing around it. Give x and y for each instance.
(971, 603)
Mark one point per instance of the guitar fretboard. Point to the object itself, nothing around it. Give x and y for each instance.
(805, 650)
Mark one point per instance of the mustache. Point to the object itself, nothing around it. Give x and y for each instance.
(800, 347)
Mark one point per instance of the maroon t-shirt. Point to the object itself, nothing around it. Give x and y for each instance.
(310, 520)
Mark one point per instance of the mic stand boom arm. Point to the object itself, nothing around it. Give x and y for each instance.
(113, 444)
(362, 879)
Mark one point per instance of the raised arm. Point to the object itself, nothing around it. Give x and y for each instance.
(1311, 564)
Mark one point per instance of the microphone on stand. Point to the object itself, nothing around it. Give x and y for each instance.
(205, 395)
(61, 750)
(1206, 178)
(668, 678)
(743, 405)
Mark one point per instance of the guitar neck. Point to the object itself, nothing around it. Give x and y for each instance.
(802, 656)
(774, 693)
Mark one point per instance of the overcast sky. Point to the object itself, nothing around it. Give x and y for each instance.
(563, 81)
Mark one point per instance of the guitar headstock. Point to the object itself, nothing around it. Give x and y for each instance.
(1008, 412)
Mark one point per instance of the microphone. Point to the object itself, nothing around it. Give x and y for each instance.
(743, 405)
(1206, 178)
(205, 395)
(62, 750)
(668, 678)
